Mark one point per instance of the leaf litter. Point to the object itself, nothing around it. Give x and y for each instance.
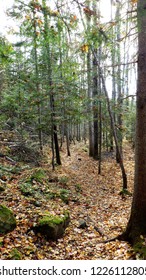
(88, 196)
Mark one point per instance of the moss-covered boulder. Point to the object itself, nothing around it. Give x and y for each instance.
(53, 227)
(7, 220)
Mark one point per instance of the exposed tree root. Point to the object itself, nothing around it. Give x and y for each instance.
(118, 237)
(99, 231)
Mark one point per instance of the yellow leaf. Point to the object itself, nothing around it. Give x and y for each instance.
(27, 17)
(133, 1)
(85, 48)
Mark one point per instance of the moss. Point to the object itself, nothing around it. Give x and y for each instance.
(53, 220)
(15, 254)
(50, 220)
(140, 248)
(7, 220)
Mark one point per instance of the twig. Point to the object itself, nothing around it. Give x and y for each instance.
(8, 158)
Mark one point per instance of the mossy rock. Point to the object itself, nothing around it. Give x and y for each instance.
(7, 220)
(53, 227)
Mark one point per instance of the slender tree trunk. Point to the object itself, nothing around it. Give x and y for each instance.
(119, 87)
(91, 150)
(37, 83)
(100, 137)
(54, 137)
(67, 141)
(124, 176)
(95, 110)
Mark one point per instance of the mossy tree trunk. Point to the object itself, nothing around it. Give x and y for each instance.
(137, 222)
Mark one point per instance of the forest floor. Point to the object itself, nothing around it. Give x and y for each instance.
(92, 198)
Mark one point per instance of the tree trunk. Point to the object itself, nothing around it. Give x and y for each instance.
(67, 141)
(54, 135)
(91, 147)
(124, 176)
(119, 86)
(100, 137)
(95, 110)
(37, 83)
(137, 222)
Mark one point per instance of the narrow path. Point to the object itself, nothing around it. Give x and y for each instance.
(100, 201)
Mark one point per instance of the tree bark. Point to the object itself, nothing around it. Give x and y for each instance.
(137, 222)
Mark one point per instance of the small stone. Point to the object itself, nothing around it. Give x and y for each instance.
(82, 224)
(37, 203)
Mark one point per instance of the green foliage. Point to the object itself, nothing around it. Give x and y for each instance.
(140, 248)
(64, 195)
(27, 189)
(6, 51)
(15, 254)
(78, 188)
(63, 180)
(38, 175)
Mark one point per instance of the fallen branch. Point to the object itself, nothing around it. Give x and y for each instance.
(8, 158)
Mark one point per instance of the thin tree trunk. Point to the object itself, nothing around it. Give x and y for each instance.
(124, 176)
(37, 84)
(100, 137)
(67, 141)
(119, 87)
(54, 137)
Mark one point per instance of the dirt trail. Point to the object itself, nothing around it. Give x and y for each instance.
(100, 202)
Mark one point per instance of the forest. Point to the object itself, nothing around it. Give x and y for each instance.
(73, 131)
